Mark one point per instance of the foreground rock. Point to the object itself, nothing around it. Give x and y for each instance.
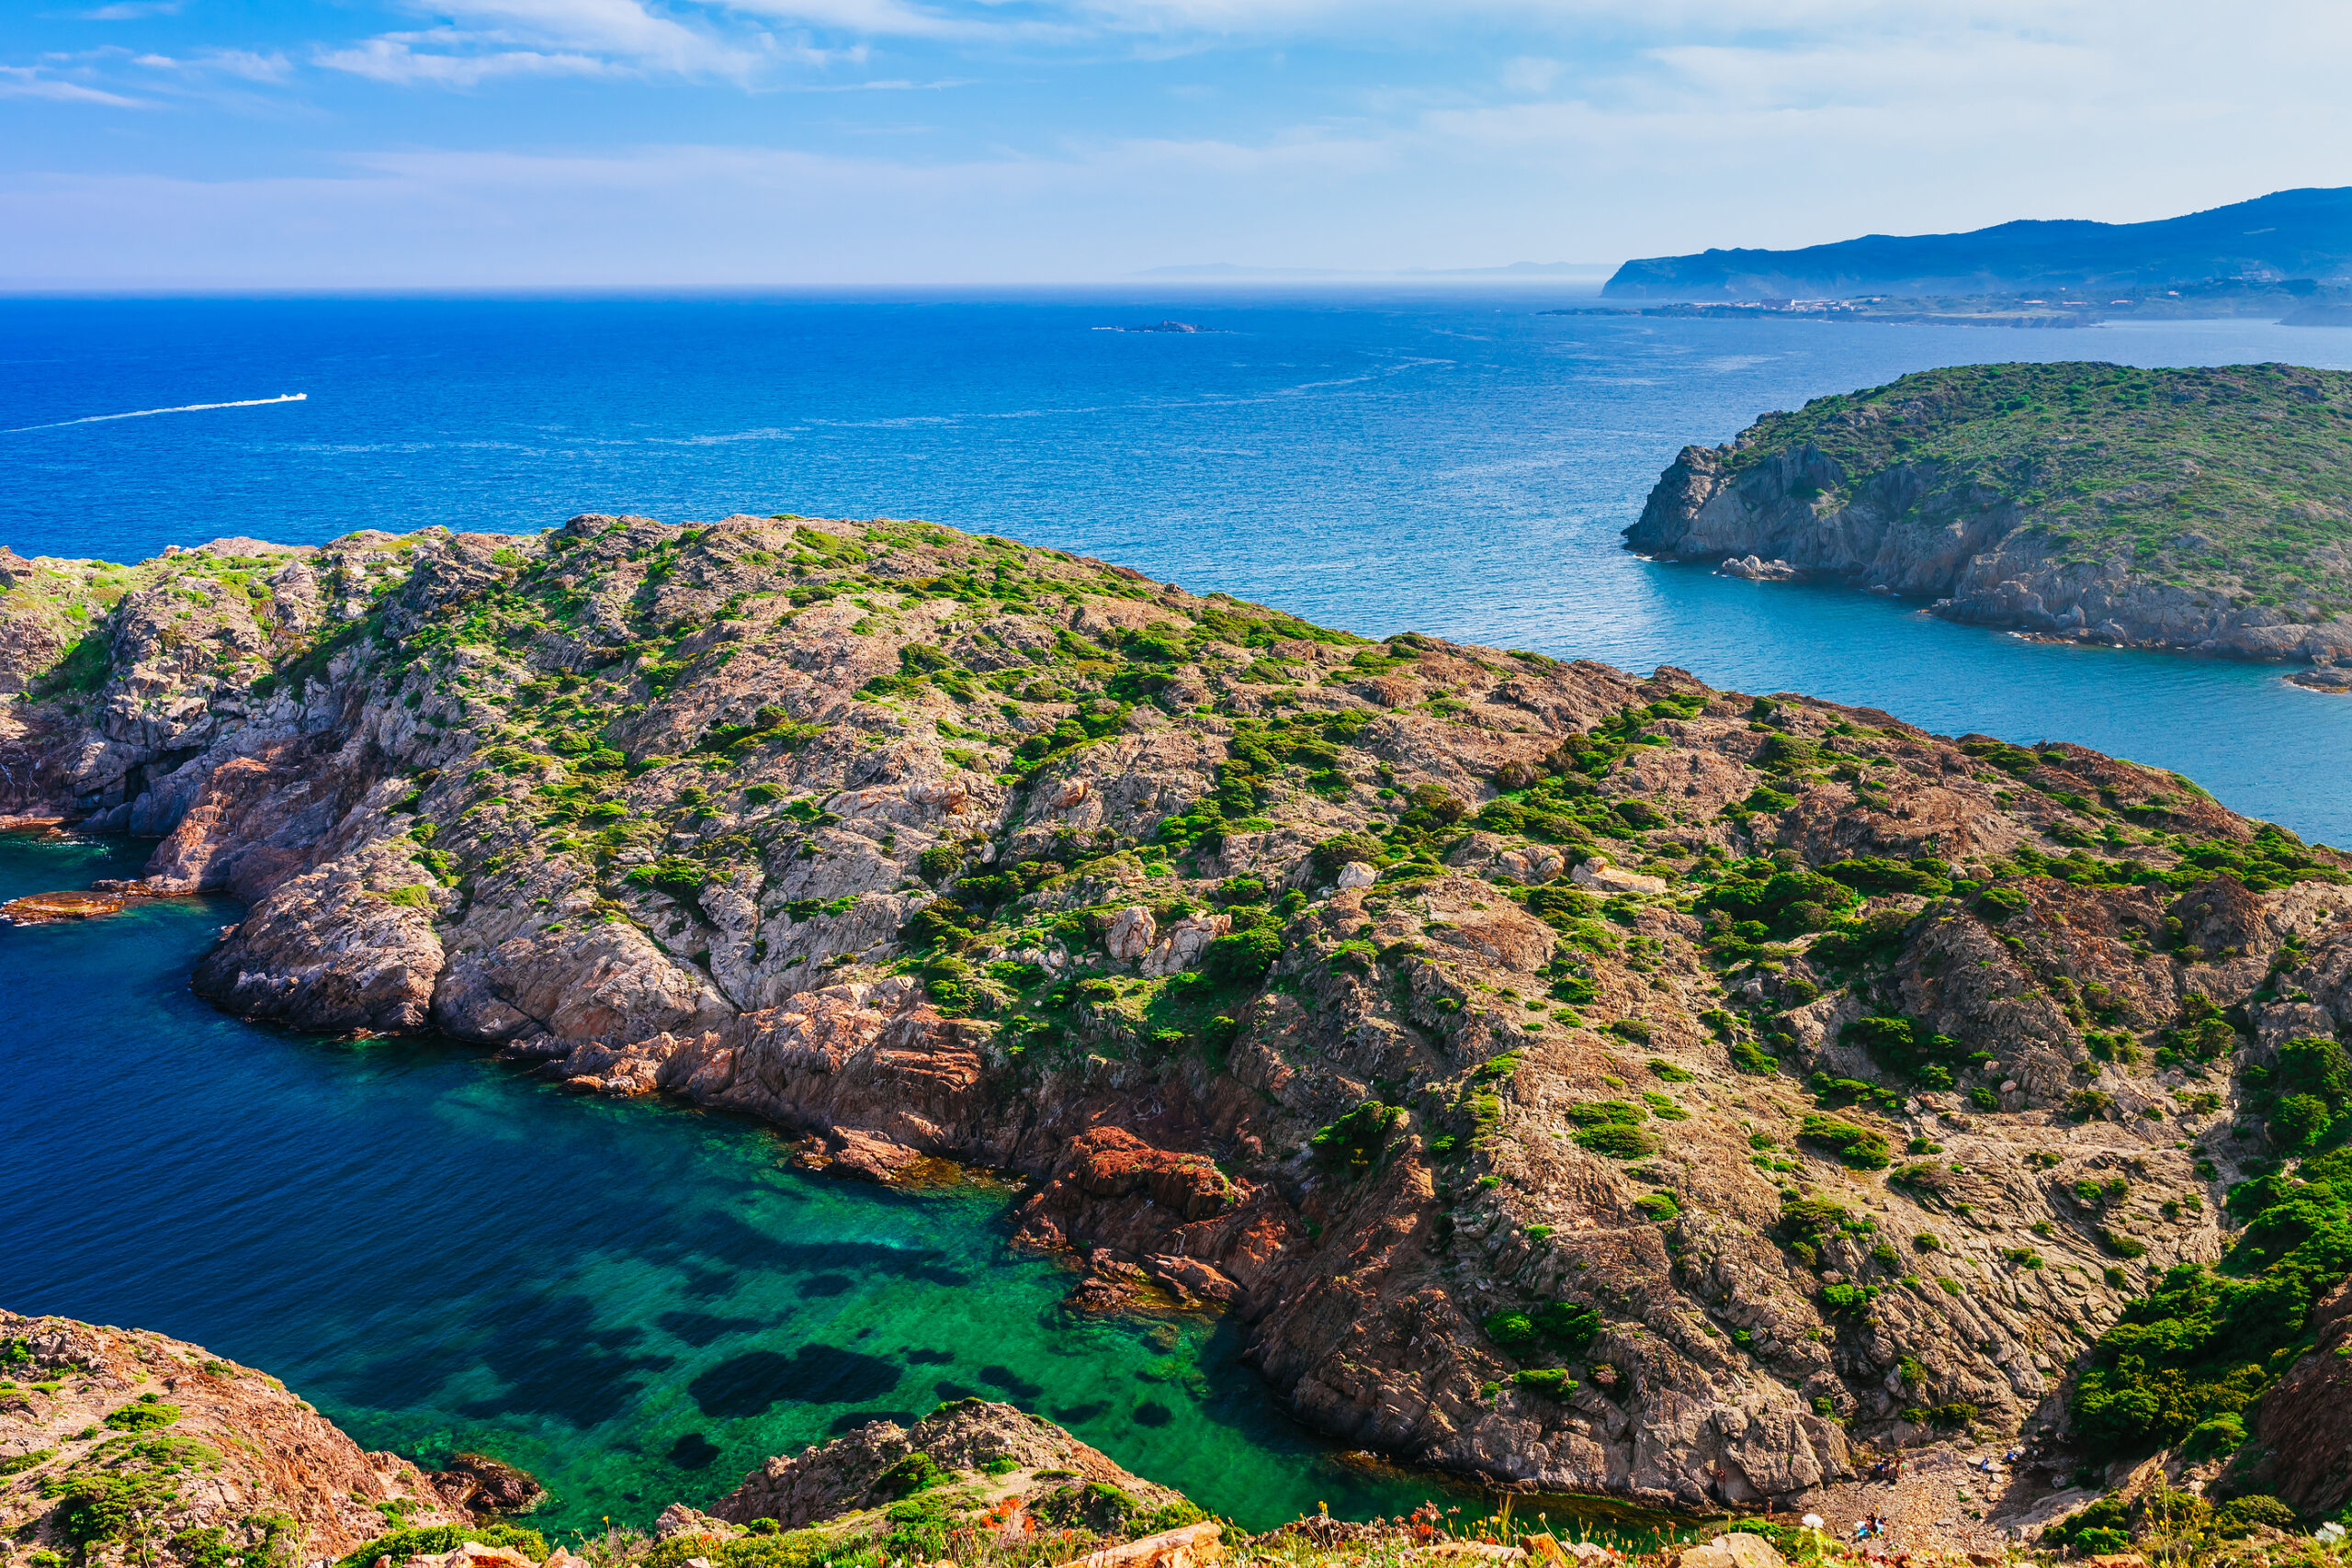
(2139, 508)
(123, 1444)
(1020, 1472)
(1587, 1081)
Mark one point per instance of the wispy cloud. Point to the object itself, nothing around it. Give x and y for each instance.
(32, 82)
(541, 37)
(133, 10)
(243, 63)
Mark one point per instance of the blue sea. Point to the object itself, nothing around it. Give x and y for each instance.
(639, 1302)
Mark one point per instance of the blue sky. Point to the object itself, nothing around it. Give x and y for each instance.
(158, 143)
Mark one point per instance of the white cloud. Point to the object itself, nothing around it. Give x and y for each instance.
(242, 63)
(395, 58)
(32, 82)
(133, 10)
(492, 39)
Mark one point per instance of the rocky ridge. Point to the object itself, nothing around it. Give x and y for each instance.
(2200, 509)
(1593, 1082)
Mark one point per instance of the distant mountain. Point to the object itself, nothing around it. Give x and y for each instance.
(2289, 233)
(1229, 271)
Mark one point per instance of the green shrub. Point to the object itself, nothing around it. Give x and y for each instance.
(433, 1539)
(1658, 1206)
(1872, 873)
(1998, 904)
(2094, 1528)
(1512, 1330)
(1858, 1148)
(2243, 1515)
(2215, 1434)
(917, 1471)
(1908, 1046)
(1567, 1324)
(1353, 1142)
(1616, 1141)
(1551, 1381)
(1334, 853)
(145, 1415)
(2197, 1346)
(1845, 1298)
(1242, 957)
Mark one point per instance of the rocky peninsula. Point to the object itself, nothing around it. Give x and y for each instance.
(1585, 1081)
(2202, 510)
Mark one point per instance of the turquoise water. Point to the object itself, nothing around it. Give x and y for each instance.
(635, 1302)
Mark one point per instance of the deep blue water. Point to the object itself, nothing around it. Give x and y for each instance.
(1452, 462)
(442, 1253)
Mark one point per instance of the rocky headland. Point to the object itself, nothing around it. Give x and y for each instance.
(2201, 510)
(1589, 1082)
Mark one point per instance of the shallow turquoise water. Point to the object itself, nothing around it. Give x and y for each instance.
(635, 1302)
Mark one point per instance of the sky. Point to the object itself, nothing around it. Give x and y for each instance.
(562, 143)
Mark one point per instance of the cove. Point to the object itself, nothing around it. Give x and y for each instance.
(636, 1304)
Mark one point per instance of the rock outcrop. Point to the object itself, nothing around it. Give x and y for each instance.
(1027, 1465)
(122, 1444)
(1944, 487)
(1594, 1082)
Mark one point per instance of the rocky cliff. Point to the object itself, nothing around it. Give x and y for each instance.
(2204, 510)
(124, 1445)
(1595, 1082)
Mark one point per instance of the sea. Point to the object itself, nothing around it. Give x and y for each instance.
(640, 1302)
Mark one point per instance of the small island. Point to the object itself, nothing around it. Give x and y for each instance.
(2203, 510)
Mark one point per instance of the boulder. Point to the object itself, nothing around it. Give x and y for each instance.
(1132, 933)
(1734, 1549)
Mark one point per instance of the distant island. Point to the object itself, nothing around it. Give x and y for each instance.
(2295, 302)
(2207, 510)
(2288, 234)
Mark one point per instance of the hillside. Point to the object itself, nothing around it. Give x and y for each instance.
(2287, 234)
(1596, 1082)
(2194, 509)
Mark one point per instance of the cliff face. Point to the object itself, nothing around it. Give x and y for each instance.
(128, 1446)
(1524, 1052)
(1940, 492)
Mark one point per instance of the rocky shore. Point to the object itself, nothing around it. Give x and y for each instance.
(123, 1447)
(1960, 488)
(1589, 1082)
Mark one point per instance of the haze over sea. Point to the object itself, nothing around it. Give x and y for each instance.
(1447, 461)
(639, 1302)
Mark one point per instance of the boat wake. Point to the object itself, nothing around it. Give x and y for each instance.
(184, 408)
